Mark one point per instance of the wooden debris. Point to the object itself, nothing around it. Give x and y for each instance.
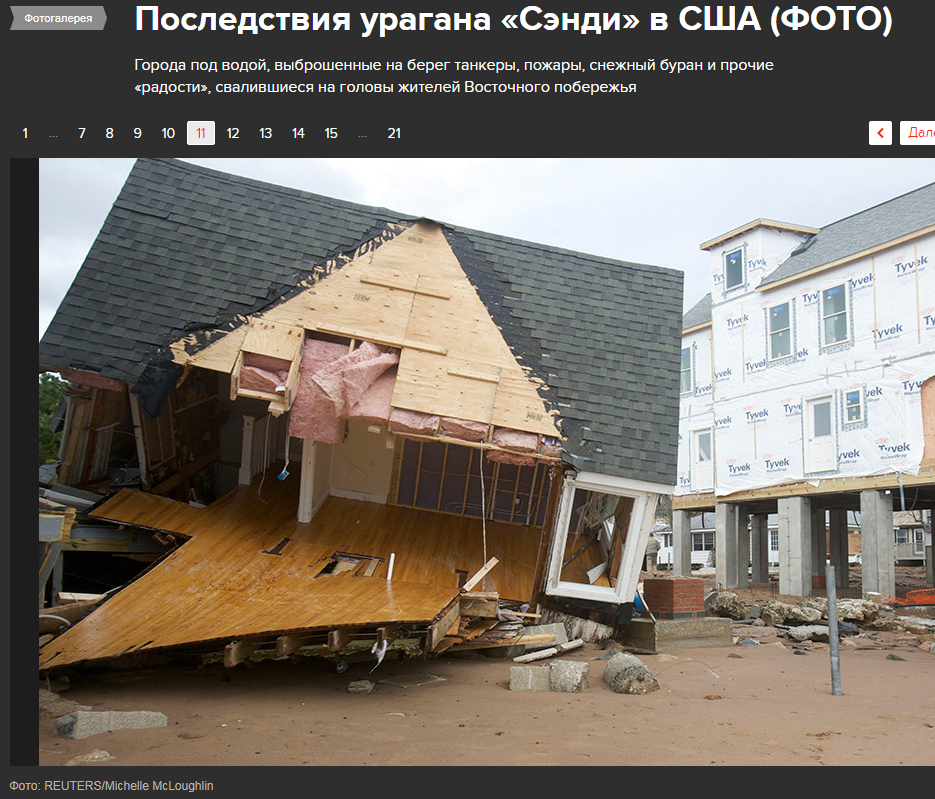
(547, 653)
(469, 585)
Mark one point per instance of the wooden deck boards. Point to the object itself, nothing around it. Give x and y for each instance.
(220, 586)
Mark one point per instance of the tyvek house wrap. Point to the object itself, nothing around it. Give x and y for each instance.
(332, 381)
(758, 406)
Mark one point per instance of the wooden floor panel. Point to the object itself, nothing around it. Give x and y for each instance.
(220, 586)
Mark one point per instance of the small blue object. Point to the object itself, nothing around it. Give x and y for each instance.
(638, 602)
(282, 475)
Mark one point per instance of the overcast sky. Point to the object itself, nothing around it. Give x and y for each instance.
(643, 210)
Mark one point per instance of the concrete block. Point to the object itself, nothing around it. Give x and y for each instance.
(665, 635)
(530, 678)
(83, 723)
(557, 629)
(568, 676)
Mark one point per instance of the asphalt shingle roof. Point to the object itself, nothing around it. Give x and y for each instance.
(188, 248)
(885, 222)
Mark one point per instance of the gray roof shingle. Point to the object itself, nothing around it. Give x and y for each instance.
(187, 248)
(885, 222)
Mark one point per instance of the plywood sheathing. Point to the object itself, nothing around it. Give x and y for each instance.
(412, 294)
(219, 586)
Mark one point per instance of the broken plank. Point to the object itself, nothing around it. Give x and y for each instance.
(547, 653)
(237, 652)
(442, 625)
(515, 640)
(473, 606)
(338, 639)
(479, 575)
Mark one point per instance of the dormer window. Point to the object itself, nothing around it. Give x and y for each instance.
(733, 269)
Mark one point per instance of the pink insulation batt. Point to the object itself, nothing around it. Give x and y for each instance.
(500, 456)
(515, 440)
(331, 381)
(415, 422)
(263, 373)
(374, 405)
(304, 421)
(465, 429)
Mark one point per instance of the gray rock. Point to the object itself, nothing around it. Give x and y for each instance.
(809, 632)
(83, 723)
(361, 687)
(568, 676)
(627, 674)
(774, 612)
(727, 605)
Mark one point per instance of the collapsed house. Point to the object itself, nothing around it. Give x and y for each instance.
(361, 430)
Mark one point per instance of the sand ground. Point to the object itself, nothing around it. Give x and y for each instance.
(763, 704)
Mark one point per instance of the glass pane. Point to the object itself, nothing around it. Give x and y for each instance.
(821, 416)
(832, 301)
(686, 359)
(779, 317)
(853, 406)
(734, 271)
(704, 447)
(780, 344)
(836, 329)
(686, 383)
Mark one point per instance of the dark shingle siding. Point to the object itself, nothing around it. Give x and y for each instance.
(187, 247)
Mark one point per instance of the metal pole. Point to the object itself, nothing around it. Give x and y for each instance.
(833, 642)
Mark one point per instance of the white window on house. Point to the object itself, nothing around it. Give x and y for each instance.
(835, 326)
(820, 440)
(780, 331)
(733, 269)
(854, 406)
(702, 542)
(902, 535)
(774, 540)
(702, 460)
(686, 384)
(918, 538)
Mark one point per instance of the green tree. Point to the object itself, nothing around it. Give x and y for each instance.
(50, 392)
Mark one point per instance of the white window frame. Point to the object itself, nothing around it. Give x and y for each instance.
(861, 404)
(770, 331)
(822, 317)
(645, 496)
(690, 371)
(743, 276)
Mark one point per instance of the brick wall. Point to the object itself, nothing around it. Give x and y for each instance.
(675, 597)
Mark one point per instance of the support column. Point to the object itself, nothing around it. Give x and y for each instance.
(795, 546)
(307, 481)
(759, 547)
(727, 558)
(878, 552)
(681, 543)
(838, 530)
(742, 579)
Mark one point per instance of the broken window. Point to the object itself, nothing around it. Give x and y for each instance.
(599, 539)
